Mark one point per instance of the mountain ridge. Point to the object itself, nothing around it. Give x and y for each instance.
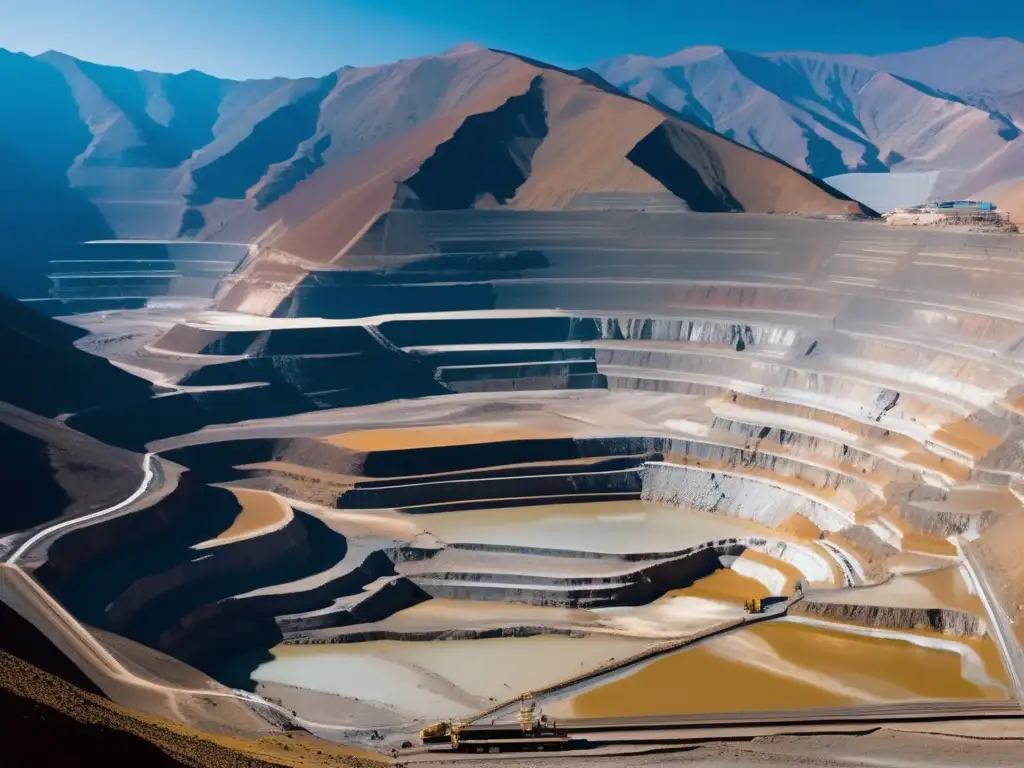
(144, 155)
(830, 114)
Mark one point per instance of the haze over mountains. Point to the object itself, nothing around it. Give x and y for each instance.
(955, 108)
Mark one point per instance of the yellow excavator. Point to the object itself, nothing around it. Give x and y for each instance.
(753, 605)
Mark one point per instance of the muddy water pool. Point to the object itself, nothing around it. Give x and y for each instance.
(612, 527)
(443, 678)
(789, 665)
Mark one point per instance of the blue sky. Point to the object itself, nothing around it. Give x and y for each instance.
(262, 38)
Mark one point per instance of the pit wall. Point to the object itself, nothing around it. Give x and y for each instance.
(370, 635)
(546, 483)
(758, 499)
(139, 576)
(847, 490)
(650, 577)
(637, 588)
(943, 620)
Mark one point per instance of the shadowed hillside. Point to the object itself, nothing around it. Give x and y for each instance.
(495, 148)
(44, 372)
(51, 470)
(41, 134)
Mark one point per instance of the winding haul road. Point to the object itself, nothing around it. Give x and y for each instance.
(148, 475)
(999, 623)
(19, 587)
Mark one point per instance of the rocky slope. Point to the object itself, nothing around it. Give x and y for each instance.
(942, 620)
(59, 724)
(955, 108)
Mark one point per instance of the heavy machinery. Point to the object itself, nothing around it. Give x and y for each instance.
(754, 605)
(438, 732)
(533, 730)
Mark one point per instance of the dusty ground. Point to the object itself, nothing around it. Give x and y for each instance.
(58, 724)
(999, 551)
(422, 437)
(884, 748)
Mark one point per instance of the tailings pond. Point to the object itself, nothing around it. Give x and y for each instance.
(790, 665)
(616, 527)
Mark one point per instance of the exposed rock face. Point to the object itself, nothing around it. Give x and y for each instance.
(637, 587)
(754, 497)
(943, 620)
(445, 634)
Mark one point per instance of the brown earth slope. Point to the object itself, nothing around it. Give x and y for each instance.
(55, 723)
(54, 715)
(1008, 197)
(544, 137)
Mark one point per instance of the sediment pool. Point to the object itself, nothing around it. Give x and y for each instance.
(260, 511)
(790, 665)
(444, 678)
(611, 526)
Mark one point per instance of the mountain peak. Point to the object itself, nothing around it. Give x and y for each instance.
(463, 48)
(692, 54)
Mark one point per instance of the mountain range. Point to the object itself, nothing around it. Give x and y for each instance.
(955, 108)
(114, 153)
(307, 163)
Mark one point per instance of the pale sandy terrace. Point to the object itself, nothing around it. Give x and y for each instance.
(786, 665)
(215, 320)
(669, 617)
(617, 527)
(433, 680)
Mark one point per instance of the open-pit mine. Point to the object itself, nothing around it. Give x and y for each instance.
(637, 464)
